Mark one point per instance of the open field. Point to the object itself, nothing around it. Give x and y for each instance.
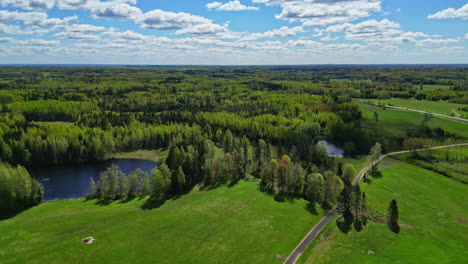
(139, 154)
(452, 162)
(433, 220)
(224, 225)
(439, 107)
(396, 122)
(359, 163)
(433, 87)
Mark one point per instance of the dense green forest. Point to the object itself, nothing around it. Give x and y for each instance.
(219, 124)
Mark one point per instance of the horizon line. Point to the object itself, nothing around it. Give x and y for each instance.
(230, 65)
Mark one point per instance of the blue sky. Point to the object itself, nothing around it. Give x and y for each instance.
(233, 32)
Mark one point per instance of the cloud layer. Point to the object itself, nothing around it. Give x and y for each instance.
(300, 31)
(231, 6)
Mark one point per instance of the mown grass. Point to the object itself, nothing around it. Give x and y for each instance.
(433, 220)
(395, 123)
(439, 107)
(225, 225)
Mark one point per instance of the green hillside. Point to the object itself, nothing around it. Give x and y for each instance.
(433, 220)
(224, 225)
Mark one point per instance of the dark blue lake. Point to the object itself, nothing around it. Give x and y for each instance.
(72, 181)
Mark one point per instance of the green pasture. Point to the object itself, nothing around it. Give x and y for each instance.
(438, 107)
(433, 220)
(395, 122)
(236, 224)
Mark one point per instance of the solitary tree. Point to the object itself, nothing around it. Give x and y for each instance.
(392, 218)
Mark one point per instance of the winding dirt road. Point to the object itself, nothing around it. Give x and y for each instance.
(297, 252)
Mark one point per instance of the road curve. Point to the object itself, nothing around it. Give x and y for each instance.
(297, 252)
(425, 112)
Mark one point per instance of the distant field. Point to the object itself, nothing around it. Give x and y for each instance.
(349, 81)
(224, 225)
(139, 154)
(433, 220)
(395, 122)
(439, 107)
(432, 87)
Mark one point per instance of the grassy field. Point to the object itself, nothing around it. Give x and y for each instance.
(139, 154)
(439, 107)
(358, 163)
(433, 220)
(433, 87)
(225, 225)
(450, 162)
(395, 122)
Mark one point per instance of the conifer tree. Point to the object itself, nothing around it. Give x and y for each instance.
(392, 217)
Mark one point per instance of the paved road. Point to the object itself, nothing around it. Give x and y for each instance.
(297, 252)
(424, 112)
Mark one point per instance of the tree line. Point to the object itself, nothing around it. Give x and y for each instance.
(18, 190)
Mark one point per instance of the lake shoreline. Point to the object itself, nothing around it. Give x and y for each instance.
(65, 182)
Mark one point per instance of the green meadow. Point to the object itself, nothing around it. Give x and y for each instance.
(438, 107)
(394, 122)
(450, 162)
(236, 224)
(433, 220)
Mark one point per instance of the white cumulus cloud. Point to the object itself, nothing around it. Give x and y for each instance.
(231, 6)
(462, 13)
(319, 13)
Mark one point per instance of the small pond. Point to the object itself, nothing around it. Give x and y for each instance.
(72, 181)
(334, 150)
